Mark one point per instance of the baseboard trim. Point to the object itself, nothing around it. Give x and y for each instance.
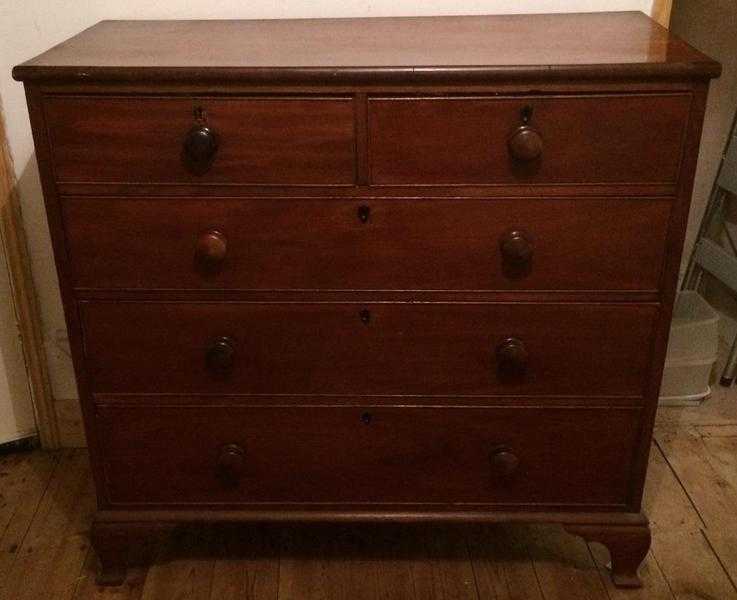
(70, 425)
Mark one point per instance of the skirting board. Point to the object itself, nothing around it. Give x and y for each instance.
(661, 11)
(13, 238)
(69, 422)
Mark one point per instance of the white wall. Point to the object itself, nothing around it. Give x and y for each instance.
(28, 27)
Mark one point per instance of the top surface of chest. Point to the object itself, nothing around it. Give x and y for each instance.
(334, 51)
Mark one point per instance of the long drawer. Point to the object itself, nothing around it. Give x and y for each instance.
(201, 140)
(369, 244)
(236, 455)
(371, 348)
(527, 139)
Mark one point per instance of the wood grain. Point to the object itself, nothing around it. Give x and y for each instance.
(404, 349)
(592, 139)
(509, 562)
(564, 566)
(48, 561)
(321, 244)
(184, 567)
(377, 455)
(502, 564)
(344, 51)
(171, 376)
(24, 479)
(247, 564)
(261, 140)
(679, 545)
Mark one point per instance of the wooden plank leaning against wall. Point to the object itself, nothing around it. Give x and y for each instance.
(661, 11)
(13, 240)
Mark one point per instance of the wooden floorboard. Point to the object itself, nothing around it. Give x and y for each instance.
(46, 503)
(50, 558)
(502, 564)
(563, 564)
(714, 497)
(246, 564)
(184, 568)
(24, 478)
(87, 589)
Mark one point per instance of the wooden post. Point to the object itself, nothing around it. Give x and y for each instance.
(12, 236)
(661, 11)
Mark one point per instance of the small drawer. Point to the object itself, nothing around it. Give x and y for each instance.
(527, 139)
(367, 455)
(614, 244)
(390, 348)
(191, 140)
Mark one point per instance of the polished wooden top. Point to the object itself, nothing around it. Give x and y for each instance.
(419, 49)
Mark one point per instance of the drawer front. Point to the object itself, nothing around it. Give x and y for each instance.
(527, 140)
(162, 140)
(272, 244)
(181, 455)
(380, 348)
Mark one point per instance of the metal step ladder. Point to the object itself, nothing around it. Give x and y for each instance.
(710, 256)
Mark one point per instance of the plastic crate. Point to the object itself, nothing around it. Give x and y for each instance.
(692, 351)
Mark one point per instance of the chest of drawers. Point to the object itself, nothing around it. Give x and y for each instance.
(384, 269)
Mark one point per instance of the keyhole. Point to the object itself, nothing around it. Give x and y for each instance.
(365, 315)
(366, 418)
(526, 114)
(364, 212)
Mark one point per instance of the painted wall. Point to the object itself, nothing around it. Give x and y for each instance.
(28, 27)
(710, 26)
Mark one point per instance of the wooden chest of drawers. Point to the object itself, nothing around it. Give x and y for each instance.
(372, 269)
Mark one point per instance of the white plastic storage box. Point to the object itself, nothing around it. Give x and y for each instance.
(692, 351)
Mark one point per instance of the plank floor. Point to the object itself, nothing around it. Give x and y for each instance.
(46, 504)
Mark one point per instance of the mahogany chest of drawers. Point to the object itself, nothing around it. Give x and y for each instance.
(410, 269)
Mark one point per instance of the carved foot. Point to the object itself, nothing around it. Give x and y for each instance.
(627, 544)
(123, 544)
(111, 574)
(110, 541)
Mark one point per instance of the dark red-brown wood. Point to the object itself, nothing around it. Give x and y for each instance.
(400, 244)
(260, 140)
(627, 545)
(563, 148)
(368, 455)
(416, 50)
(589, 139)
(404, 348)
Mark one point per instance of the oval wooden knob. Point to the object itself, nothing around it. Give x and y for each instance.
(200, 147)
(220, 355)
(515, 247)
(525, 144)
(231, 463)
(504, 462)
(511, 357)
(212, 246)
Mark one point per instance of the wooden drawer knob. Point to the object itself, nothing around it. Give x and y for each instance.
(511, 357)
(220, 355)
(516, 247)
(525, 144)
(200, 147)
(231, 463)
(504, 462)
(212, 246)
